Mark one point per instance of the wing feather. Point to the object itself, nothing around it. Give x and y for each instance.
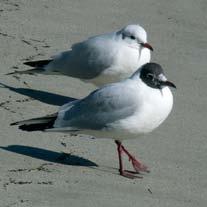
(100, 108)
(85, 60)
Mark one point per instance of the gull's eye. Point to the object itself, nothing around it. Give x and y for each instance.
(150, 76)
(132, 37)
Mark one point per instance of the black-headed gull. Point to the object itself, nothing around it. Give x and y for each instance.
(121, 110)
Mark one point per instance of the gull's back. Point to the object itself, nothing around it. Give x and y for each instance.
(87, 59)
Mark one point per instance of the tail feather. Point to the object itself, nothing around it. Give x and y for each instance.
(37, 124)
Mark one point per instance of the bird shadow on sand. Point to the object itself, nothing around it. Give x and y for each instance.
(42, 96)
(50, 156)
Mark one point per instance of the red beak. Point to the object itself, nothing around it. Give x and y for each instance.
(147, 46)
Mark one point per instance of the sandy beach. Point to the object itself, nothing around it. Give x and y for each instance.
(53, 169)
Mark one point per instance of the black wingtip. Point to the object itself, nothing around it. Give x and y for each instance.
(36, 124)
(38, 63)
(29, 63)
(14, 123)
(36, 127)
(28, 128)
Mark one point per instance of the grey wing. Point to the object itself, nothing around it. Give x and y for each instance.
(86, 60)
(100, 108)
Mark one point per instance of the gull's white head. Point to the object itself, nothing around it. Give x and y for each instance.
(134, 35)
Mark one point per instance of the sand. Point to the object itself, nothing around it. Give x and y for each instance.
(34, 170)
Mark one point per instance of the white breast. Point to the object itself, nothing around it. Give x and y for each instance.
(126, 62)
(153, 108)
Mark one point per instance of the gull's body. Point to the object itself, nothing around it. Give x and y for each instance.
(100, 59)
(119, 111)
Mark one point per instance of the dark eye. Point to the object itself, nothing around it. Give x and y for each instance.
(150, 76)
(132, 37)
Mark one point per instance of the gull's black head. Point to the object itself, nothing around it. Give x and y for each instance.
(153, 75)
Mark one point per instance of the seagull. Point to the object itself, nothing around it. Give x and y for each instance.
(122, 110)
(100, 59)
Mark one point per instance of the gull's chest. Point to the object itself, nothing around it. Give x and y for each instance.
(151, 111)
(154, 110)
(130, 58)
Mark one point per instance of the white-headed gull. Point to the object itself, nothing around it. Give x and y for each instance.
(100, 59)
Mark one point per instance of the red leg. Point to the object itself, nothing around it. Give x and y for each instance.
(119, 149)
(121, 170)
(137, 165)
